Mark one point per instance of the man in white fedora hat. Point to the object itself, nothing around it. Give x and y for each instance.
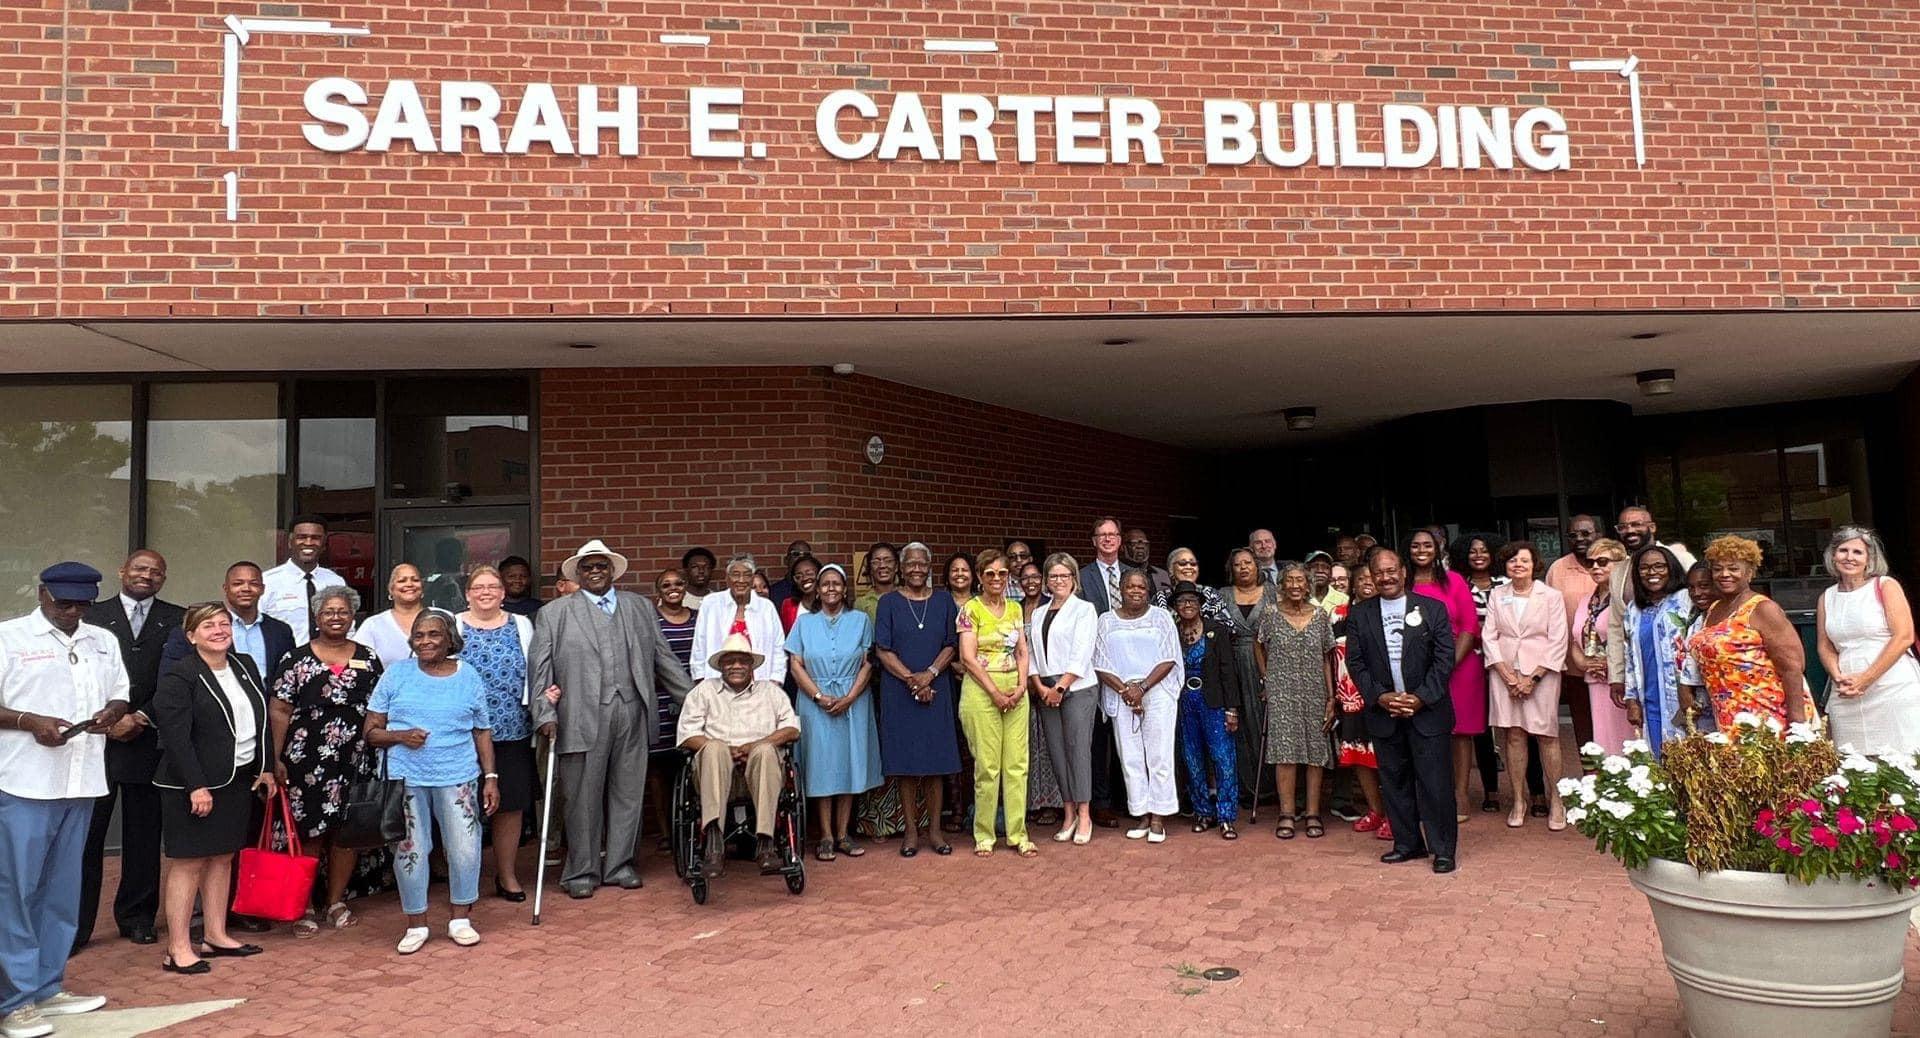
(603, 648)
(735, 725)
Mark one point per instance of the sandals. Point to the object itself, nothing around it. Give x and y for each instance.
(1027, 850)
(1227, 831)
(847, 847)
(1201, 825)
(306, 926)
(908, 850)
(983, 852)
(1315, 827)
(1285, 829)
(943, 849)
(824, 851)
(340, 917)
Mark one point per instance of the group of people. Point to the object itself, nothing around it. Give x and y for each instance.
(1091, 691)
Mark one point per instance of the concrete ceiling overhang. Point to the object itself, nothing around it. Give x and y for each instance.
(1201, 381)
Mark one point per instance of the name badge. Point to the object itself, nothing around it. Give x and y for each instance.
(358, 664)
(1413, 618)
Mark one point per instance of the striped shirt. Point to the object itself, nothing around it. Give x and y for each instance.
(679, 638)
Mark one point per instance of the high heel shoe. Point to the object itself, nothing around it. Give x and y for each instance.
(1516, 819)
(1063, 835)
(515, 896)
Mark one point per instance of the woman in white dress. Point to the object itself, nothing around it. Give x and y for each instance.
(1135, 652)
(1866, 644)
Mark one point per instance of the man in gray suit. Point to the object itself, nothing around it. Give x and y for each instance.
(604, 650)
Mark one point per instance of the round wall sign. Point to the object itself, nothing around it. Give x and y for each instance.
(876, 450)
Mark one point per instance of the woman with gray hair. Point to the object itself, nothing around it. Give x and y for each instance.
(320, 696)
(740, 611)
(1866, 643)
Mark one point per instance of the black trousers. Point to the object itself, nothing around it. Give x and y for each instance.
(137, 901)
(1107, 779)
(1416, 781)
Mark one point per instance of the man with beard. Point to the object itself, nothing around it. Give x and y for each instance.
(1136, 549)
(1568, 575)
(1636, 530)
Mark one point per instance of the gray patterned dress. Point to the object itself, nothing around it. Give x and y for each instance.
(1296, 689)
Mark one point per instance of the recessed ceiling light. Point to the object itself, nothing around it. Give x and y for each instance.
(583, 346)
(1300, 419)
(1116, 342)
(1655, 381)
(1644, 335)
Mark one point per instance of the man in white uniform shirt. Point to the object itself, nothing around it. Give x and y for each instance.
(292, 584)
(56, 674)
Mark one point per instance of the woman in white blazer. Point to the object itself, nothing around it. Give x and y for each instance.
(752, 614)
(496, 643)
(1060, 635)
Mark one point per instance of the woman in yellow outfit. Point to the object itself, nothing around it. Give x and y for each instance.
(993, 706)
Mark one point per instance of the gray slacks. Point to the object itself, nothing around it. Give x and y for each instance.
(604, 788)
(1069, 731)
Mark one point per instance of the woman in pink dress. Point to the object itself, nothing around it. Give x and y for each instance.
(1611, 729)
(1428, 575)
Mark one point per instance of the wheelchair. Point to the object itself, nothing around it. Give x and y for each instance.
(789, 828)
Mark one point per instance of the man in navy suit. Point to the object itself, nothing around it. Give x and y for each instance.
(141, 622)
(1100, 584)
(1400, 653)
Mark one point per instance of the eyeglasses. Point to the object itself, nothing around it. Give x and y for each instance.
(1064, 578)
(668, 585)
(1598, 562)
(588, 567)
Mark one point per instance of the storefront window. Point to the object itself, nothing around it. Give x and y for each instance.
(216, 453)
(336, 478)
(454, 439)
(64, 457)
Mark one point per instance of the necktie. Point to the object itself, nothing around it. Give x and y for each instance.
(139, 618)
(313, 620)
(1113, 585)
(606, 605)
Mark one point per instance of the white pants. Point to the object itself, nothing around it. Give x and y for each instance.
(1145, 742)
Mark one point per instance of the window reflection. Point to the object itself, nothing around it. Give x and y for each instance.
(64, 457)
(216, 453)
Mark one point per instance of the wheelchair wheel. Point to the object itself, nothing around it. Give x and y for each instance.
(685, 823)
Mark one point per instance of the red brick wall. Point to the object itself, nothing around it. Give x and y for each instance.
(655, 460)
(1783, 148)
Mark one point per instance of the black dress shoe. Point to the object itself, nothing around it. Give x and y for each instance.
(248, 924)
(198, 968)
(1396, 856)
(515, 896)
(1443, 865)
(578, 889)
(624, 877)
(214, 951)
(142, 935)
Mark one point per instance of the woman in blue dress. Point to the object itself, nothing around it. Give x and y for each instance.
(839, 746)
(1658, 614)
(914, 634)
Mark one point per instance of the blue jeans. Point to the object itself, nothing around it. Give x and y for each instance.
(1213, 783)
(41, 845)
(457, 809)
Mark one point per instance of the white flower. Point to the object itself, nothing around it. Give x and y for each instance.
(1856, 762)
(1589, 785)
(1746, 719)
(1615, 808)
(1773, 724)
(1576, 815)
(1846, 750)
(1616, 765)
(1567, 786)
(1837, 782)
(1718, 738)
(1639, 785)
(1633, 746)
(1592, 749)
(1896, 800)
(1801, 731)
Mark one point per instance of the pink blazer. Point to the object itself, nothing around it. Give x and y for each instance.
(1529, 638)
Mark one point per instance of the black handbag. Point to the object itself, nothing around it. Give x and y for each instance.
(375, 813)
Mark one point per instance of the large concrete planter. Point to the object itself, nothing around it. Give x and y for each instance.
(1757, 954)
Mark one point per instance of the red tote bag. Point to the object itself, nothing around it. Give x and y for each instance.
(275, 885)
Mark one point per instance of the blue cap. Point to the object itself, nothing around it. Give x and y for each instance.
(71, 581)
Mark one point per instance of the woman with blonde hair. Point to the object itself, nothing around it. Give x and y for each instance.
(1746, 653)
(1866, 643)
(1588, 639)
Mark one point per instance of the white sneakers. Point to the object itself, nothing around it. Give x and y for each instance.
(461, 931)
(411, 941)
(25, 1022)
(65, 1004)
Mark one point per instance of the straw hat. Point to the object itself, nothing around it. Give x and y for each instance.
(570, 569)
(735, 643)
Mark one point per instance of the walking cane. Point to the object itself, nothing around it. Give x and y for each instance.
(546, 820)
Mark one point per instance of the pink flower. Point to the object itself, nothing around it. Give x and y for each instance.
(1850, 823)
(1903, 823)
(1765, 815)
(1785, 843)
(1824, 837)
(1894, 860)
(1882, 833)
(1810, 807)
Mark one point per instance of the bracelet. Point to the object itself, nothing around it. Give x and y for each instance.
(491, 775)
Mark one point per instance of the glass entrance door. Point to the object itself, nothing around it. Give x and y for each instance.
(447, 543)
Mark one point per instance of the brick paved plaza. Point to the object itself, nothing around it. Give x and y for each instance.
(1536, 934)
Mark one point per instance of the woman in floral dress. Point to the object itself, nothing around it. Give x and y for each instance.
(320, 694)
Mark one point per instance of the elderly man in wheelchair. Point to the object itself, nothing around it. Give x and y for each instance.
(735, 727)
